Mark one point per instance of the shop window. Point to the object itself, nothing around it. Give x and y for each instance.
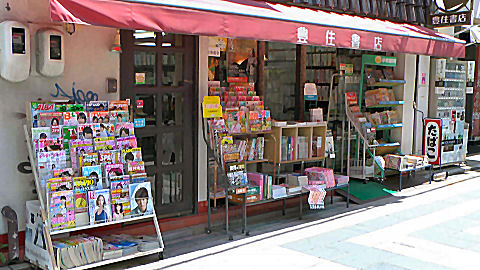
(145, 68)
(145, 107)
(149, 152)
(172, 69)
(172, 109)
(172, 186)
(172, 144)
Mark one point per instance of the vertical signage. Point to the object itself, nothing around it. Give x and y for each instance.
(431, 140)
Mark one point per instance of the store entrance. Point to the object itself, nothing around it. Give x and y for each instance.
(157, 75)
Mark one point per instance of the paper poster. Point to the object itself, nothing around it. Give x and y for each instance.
(241, 58)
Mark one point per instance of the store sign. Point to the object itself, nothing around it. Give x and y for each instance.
(139, 122)
(431, 143)
(302, 35)
(450, 5)
(211, 107)
(387, 61)
(450, 13)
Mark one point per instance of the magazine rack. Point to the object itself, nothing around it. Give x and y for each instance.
(47, 257)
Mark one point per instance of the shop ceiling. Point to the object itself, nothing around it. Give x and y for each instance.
(259, 20)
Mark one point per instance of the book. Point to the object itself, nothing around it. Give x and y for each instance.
(118, 105)
(94, 173)
(96, 105)
(40, 107)
(77, 251)
(120, 199)
(124, 129)
(62, 209)
(141, 200)
(266, 120)
(109, 156)
(134, 154)
(88, 159)
(81, 186)
(252, 150)
(139, 177)
(48, 119)
(261, 147)
(106, 143)
(236, 173)
(135, 167)
(254, 121)
(233, 123)
(117, 117)
(99, 117)
(99, 206)
(88, 131)
(113, 170)
(44, 133)
(126, 142)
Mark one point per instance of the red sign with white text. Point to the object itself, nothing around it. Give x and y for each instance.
(432, 133)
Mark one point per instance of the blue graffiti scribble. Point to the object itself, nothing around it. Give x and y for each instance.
(78, 96)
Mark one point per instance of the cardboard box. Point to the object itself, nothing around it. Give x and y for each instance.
(396, 162)
(238, 198)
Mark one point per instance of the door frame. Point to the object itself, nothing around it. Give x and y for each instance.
(126, 70)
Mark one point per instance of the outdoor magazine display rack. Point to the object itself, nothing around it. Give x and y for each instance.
(49, 234)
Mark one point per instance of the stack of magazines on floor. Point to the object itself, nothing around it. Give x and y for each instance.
(116, 246)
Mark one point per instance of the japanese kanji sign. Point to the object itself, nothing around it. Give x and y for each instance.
(431, 143)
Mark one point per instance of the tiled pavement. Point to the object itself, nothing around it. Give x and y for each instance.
(433, 226)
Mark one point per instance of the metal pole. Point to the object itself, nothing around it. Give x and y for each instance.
(348, 149)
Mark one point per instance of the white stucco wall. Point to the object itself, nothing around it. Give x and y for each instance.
(421, 99)
(203, 91)
(88, 62)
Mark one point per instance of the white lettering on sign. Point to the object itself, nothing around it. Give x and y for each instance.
(432, 140)
(377, 44)
(330, 36)
(302, 35)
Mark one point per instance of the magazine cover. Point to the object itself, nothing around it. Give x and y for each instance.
(78, 147)
(232, 122)
(254, 121)
(129, 155)
(95, 106)
(120, 199)
(94, 173)
(70, 118)
(126, 142)
(141, 200)
(88, 159)
(48, 119)
(98, 117)
(117, 117)
(118, 105)
(99, 207)
(266, 120)
(88, 131)
(67, 172)
(112, 170)
(124, 129)
(139, 178)
(42, 133)
(106, 130)
(109, 156)
(62, 210)
(69, 133)
(70, 107)
(107, 143)
(135, 167)
(59, 184)
(81, 186)
(47, 145)
(50, 161)
(40, 107)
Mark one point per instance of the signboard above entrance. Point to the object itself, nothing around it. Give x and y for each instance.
(451, 13)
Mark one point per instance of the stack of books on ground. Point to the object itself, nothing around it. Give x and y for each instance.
(116, 246)
(77, 251)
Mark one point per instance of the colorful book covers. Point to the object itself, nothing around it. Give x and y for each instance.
(81, 186)
(62, 210)
(141, 200)
(99, 206)
(40, 107)
(134, 154)
(95, 106)
(254, 121)
(106, 143)
(124, 129)
(126, 142)
(94, 173)
(120, 199)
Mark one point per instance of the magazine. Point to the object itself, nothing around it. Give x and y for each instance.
(118, 117)
(96, 105)
(135, 167)
(99, 207)
(112, 170)
(106, 130)
(67, 172)
(141, 199)
(59, 184)
(139, 178)
(70, 118)
(78, 147)
(129, 155)
(120, 199)
(48, 162)
(107, 143)
(98, 117)
(94, 173)
(88, 131)
(62, 209)
(254, 121)
(266, 120)
(126, 142)
(109, 156)
(124, 129)
(69, 133)
(43, 133)
(70, 107)
(88, 159)
(118, 105)
(81, 186)
(236, 173)
(48, 119)
(47, 145)
(40, 107)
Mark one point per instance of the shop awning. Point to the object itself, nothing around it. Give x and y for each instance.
(258, 20)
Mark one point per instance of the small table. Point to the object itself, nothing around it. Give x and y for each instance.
(414, 170)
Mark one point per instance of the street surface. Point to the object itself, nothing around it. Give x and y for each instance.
(433, 226)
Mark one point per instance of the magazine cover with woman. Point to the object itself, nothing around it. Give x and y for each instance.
(99, 207)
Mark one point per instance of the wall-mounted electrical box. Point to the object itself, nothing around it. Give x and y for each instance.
(14, 51)
(50, 52)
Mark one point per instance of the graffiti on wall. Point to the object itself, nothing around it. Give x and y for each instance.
(78, 95)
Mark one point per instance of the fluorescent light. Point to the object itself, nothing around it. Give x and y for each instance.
(166, 44)
(144, 34)
(152, 44)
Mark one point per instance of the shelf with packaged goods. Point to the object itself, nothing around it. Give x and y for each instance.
(250, 133)
(387, 104)
(387, 83)
(389, 126)
(454, 98)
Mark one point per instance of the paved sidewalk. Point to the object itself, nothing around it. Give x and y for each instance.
(433, 226)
